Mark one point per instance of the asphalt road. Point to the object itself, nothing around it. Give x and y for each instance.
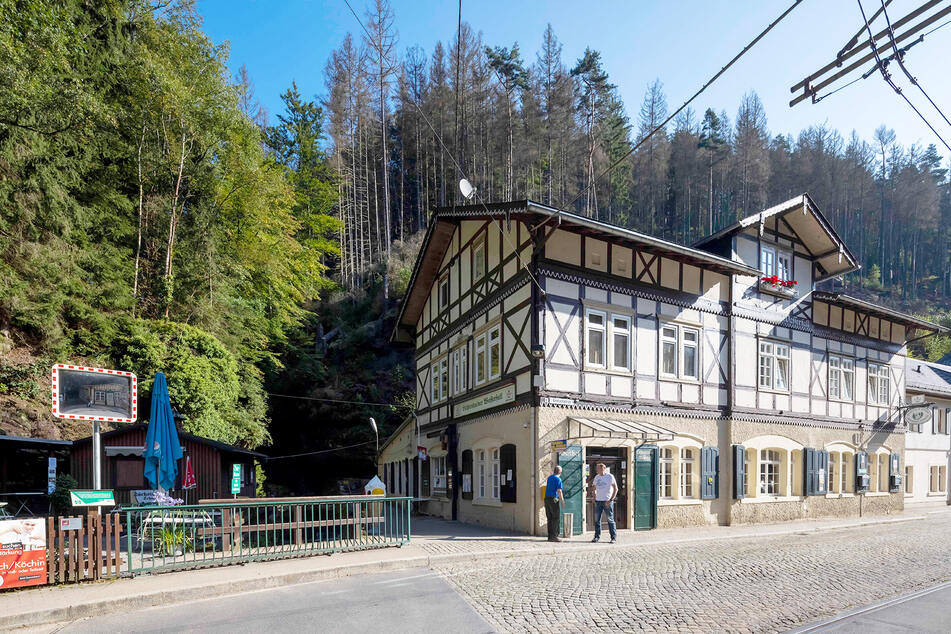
(926, 611)
(405, 601)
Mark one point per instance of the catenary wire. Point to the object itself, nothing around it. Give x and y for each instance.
(432, 128)
(331, 400)
(887, 76)
(901, 63)
(314, 453)
(684, 105)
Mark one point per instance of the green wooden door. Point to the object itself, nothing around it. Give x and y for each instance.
(572, 477)
(645, 487)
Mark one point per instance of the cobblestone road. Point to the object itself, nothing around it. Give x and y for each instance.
(751, 584)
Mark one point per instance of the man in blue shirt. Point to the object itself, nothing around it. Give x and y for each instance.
(554, 501)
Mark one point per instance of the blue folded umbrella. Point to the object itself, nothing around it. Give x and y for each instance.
(162, 449)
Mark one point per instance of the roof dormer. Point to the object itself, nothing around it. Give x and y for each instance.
(796, 227)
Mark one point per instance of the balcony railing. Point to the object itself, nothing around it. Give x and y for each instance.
(778, 289)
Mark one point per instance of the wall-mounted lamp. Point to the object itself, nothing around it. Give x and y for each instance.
(538, 351)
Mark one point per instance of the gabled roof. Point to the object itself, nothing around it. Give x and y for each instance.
(927, 377)
(876, 310)
(799, 218)
(444, 221)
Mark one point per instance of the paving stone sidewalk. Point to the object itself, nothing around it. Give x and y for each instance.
(436, 543)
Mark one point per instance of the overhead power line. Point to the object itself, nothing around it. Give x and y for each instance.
(314, 453)
(330, 400)
(684, 105)
(812, 84)
(887, 76)
(899, 57)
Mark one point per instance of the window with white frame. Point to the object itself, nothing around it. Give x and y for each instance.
(687, 459)
(440, 483)
(667, 472)
(679, 351)
(941, 420)
(595, 338)
(444, 293)
(938, 478)
(439, 388)
(879, 384)
(482, 472)
(488, 355)
(460, 370)
(440, 384)
(833, 465)
(775, 261)
(620, 342)
(495, 474)
(774, 366)
(746, 471)
(845, 471)
(769, 468)
(478, 261)
(841, 378)
(883, 473)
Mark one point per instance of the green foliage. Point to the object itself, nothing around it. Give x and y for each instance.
(874, 278)
(142, 222)
(60, 500)
(259, 477)
(22, 380)
(220, 398)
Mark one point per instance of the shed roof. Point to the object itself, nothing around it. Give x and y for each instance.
(876, 310)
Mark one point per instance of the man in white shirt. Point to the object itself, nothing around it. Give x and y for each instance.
(605, 490)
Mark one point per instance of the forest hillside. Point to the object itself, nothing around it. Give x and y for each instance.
(154, 217)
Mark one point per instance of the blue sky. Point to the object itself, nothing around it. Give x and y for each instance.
(680, 42)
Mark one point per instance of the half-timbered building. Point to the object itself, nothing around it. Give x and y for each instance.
(714, 381)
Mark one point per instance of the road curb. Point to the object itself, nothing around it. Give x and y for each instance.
(128, 603)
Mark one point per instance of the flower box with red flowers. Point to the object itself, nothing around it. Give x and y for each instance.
(775, 286)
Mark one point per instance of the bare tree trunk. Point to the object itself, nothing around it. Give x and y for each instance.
(138, 245)
(172, 224)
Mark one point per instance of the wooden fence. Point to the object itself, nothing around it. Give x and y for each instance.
(83, 548)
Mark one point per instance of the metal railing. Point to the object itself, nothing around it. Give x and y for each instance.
(162, 538)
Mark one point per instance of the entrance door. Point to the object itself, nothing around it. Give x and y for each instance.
(645, 487)
(615, 459)
(573, 481)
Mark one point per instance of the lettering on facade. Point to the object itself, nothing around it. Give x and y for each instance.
(486, 401)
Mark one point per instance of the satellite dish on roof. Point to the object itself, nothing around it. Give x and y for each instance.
(466, 188)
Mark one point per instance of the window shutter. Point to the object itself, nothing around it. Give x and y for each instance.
(709, 473)
(809, 471)
(934, 420)
(506, 464)
(739, 472)
(822, 472)
(467, 470)
(426, 468)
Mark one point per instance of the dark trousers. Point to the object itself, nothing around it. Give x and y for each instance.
(604, 507)
(553, 513)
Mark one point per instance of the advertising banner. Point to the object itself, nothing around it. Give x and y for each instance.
(22, 553)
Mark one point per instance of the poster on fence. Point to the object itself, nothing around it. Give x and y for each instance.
(22, 553)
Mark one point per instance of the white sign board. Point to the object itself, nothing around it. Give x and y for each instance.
(70, 523)
(501, 396)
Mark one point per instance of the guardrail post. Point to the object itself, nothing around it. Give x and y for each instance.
(357, 532)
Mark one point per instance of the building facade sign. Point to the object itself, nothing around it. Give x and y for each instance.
(501, 396)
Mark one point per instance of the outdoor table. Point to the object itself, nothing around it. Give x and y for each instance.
(22, 498)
